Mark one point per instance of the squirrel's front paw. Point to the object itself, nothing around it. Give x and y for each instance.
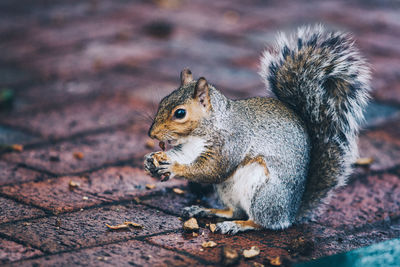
(158, 165)
(194, 211)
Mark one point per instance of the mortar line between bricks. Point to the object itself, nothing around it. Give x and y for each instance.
(47, 253)
(187, 254)
(21, 242)
(22, 202)
(50, 213)
(46, 141)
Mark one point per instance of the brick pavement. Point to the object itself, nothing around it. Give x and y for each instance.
(87, 75)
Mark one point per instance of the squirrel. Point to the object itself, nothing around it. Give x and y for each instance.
(273, 161)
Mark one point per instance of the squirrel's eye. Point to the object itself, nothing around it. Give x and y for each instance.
(180, 113)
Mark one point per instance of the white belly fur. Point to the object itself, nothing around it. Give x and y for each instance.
(192, 147)
(238, 190)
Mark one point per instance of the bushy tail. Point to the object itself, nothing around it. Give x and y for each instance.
(321, 76)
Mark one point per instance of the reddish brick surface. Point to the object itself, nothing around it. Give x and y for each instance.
(13, 173)
(112, 184)
(11, 251)
(87, 228)
(81, 117)
(100, 149)
(130, 253)
(11, 211)
(87, 77)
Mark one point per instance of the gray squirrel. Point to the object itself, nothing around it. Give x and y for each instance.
(273, 162)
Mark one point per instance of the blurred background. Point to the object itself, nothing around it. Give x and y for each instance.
(59, 52)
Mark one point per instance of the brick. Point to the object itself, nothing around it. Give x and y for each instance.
(130, 253)
(11, 173)
(192, 245)
(100, 149)
(108, 185)
(365, 200)
(11, 211)
(80, 117)
(87, 228)
(52, 194)
(11, 251)
(382, 145)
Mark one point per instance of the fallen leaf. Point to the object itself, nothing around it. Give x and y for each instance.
(133, 224)
(209, 244)
(150, 186)
(125, 225)
(118, 226)
(213, 227)
(78, 155)
(191, 225)
(364, 161)
(251, 253)
(178, 191)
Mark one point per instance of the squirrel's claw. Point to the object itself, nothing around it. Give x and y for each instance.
(157, 165)
(227, 227)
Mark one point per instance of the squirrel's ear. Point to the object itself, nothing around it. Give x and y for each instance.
(186, 76)
(201, 92)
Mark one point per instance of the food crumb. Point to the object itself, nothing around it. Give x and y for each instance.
(229, 256)
(275, 261)
(85, 198)
(178, 191)
(251, 253)
(18, 148)
(213, 227)
(191, 225)
(364, 161)
(78, 155)
(72, 185)
(150, 186)
(195, 234)
(162, 145)
(209, 244)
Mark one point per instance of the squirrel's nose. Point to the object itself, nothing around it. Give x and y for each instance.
(151, 133)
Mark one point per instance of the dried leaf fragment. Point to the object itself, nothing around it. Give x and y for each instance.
(213, 226)
(178, 191)
(150, 186)
(229, 256)
(257, 264)
(125, 225)
(18, 148)
(364, 161)
(78, 155)
(72, 185)
(118, 226)
(133, 224)
(275, 261)
(191, 225)
(209, 244)
(251, 253)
